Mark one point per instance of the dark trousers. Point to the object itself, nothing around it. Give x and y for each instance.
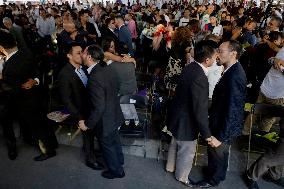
(24, 106)
(217, 163)
(88, 146)
(112, 152)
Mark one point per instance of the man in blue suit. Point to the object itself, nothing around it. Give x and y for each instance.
(124, 35)
(226, 113)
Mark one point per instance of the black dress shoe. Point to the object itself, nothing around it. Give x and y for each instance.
(12, 154)
(189, 183)
(251, 184)
(110, 175)
(96, 166)
(12, 151)
(46, 156)
(204, 184)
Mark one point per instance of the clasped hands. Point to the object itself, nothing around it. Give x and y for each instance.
(82, 125)
(213, 142)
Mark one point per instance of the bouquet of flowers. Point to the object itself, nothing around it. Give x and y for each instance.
(162, 32)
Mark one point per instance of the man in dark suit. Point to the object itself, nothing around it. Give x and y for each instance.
(109, 31)
(105, 115)
(22, 100)
(72, 88)
(226, 113)
(124, 35)
(188, 114)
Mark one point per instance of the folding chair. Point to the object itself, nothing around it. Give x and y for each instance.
(263, 109)
(136, 118)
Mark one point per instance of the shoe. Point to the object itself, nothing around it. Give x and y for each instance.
(204, 184)
(12, 151)
(110, 175)
(43, 156)
(96, 166)
(251, 184)
(189, 183)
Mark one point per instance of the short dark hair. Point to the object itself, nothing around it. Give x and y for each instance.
(204, 49)
(82, 12)
(108, 21)
(7, 41)
(119, 17)
(70, 46)
(274, 35)
(235, 46)
(96, 52)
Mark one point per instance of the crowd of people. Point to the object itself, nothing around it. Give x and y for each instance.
(208, 59)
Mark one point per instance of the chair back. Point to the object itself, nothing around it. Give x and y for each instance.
(137, 100)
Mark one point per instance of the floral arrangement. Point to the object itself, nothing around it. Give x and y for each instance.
(162, 30)
(149, 32)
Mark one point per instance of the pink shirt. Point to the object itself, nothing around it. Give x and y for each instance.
(132, 27)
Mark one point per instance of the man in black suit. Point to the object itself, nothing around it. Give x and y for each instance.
(22, 100)
(188, 114)
(227, 111)
(106, 115)
(124, 35)
(72, 88)
(109, 31)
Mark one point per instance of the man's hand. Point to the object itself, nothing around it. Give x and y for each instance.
(93, 36)
(236, 33)
(82, 125)
(29, 84)
(278, 64)
(3, 52)
(73, 35)
(214, 142)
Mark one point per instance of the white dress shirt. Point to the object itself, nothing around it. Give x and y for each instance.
(45, 27)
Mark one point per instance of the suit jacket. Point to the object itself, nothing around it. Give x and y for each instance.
(73, 93)
(124, 36)
(125, 73)
(17, 32)
(18, 69)
(107, 33)
(188, 114)
(227, 109)
(105, 115)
